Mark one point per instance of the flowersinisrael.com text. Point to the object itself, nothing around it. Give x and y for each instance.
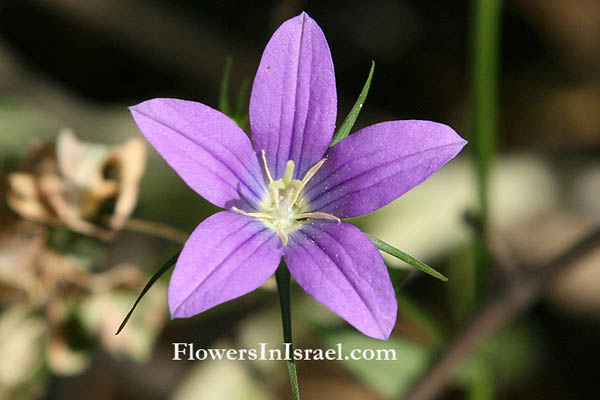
(189, 352)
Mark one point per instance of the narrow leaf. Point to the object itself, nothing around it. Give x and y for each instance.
(391, 250)
(282, 277)
(150, 283)
(344, 130)
(224, 93)
(240, 109)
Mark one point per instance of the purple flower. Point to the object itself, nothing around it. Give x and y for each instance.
(286, 195)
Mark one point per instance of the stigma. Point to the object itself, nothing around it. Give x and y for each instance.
(284, 209)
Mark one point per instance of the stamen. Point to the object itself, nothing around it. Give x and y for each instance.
(252, 214)
(282, 213)
(295, 190)
(307, 177)
(296, 194)
(264, 157)
(281, 233)
(270, 178)
(318, 215)
(312, 171)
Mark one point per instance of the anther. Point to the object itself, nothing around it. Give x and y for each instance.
(317, 215)
(281, 233)
(270, 178)
(312, 171)
(252, 214)
(307, 177)
(264, 158)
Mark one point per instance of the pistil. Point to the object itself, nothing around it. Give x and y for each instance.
(283, 211)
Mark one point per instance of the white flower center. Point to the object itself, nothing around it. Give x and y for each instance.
(283, 209)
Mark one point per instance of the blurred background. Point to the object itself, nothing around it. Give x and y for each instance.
(89, 211)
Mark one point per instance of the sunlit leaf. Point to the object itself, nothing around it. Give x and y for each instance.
(391, 250)
(346, 127)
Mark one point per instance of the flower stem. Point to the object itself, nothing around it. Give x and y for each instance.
(486, 38)
(283, 287)
(486, 16)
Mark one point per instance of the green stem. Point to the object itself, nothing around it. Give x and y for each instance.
(486, 40)
(486, 44)
(283, 287)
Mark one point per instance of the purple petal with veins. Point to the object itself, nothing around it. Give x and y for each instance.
(342, 269)
(284, 197)
(378, 164)
(206, 148)
(227, 256)
(293, 106)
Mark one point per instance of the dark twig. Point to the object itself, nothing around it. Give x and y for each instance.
(520, 293)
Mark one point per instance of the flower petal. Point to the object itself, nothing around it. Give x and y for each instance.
(227, 256)
(376, 165)
(206, 148)
(294, 102)
(341, 268)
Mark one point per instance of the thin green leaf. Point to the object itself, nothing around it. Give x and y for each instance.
(283, 288)
(240, 110)
(346, 127)
(242, 121)
(224, 93)
(391, 250)
(150, 283)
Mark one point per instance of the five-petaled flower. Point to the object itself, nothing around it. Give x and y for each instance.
(286, 195)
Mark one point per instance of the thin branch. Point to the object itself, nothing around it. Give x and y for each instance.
(520, 293)
(156, 229)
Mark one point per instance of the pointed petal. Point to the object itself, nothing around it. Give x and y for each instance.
(376, 165)
(227, 256)
(342, 269)
(293, 104)
(206, 148)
